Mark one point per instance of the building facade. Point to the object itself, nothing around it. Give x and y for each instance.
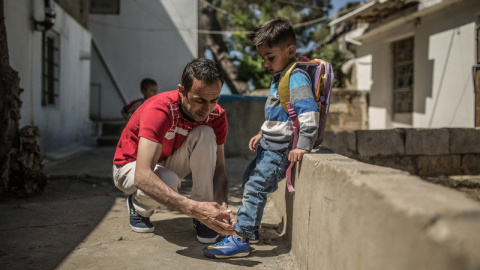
(87, 63)
(416, 58)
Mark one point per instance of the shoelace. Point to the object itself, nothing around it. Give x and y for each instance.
(223, 241)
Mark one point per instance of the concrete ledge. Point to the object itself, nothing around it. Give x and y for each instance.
(350, 215)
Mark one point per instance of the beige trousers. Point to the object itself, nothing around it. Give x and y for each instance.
(197, 154)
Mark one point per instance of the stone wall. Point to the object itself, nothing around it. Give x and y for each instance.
(348, 215)
(423, 152)
(348, 110)
(245, 115)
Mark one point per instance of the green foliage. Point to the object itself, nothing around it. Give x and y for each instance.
(251, 68)
(332, 54)
(244, 15)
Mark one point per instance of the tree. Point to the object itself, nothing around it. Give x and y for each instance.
(208, 19)
(20, 159)
(236, 18)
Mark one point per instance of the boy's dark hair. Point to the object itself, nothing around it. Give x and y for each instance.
(276, 32)
(147, 82)
(201, 69)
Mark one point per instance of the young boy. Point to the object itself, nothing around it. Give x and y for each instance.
(276, 43)
(149, 88)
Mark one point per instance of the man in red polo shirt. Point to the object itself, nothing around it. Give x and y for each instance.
(170, 135)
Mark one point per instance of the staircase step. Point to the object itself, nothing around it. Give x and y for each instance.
(112, 128)
(109, 140)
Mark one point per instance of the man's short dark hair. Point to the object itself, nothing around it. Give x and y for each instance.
(147, 82)
(201, 69)
(276, 32)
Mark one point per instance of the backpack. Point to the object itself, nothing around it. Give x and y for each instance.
(321, 75)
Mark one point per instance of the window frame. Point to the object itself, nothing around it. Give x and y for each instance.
(403, 72)
(50, 68)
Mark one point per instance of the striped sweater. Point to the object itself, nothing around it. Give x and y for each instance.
(277, 126)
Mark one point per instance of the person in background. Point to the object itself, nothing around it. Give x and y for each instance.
(149, 88)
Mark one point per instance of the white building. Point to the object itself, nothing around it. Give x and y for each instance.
(56, 83)
(416, 59)
(65, 83)
(138, 39)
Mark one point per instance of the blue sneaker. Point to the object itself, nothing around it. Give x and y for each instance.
(138, 223)
(228, 247)
(205, 235)
(255, 239)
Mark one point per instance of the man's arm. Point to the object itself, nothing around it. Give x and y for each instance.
(220, 182)
(210, 213)
(220, 179)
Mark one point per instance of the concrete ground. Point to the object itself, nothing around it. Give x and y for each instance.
(81, 222)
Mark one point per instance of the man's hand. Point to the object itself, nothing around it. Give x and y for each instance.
(233, 218)
(214, 216)
(254, 142)
(296, 155)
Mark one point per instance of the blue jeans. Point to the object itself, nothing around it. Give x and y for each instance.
(260, 178)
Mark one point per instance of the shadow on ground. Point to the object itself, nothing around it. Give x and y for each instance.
(81, 222)
(40, 232)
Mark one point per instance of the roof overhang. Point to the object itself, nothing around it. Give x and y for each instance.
(391, 13)
(373, 10)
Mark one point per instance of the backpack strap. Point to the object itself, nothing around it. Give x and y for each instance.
(296, 127)
(284, 85)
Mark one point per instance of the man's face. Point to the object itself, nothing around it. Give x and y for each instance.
(276, 59)
(201, 99)
(150, 91)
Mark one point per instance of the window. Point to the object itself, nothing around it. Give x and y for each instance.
(50, 68)
(403, 76)
(105, 6)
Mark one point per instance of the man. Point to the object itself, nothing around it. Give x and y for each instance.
(170, 135)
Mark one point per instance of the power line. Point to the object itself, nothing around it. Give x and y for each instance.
(221, 32)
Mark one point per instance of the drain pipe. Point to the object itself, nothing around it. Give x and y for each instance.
(49, 19)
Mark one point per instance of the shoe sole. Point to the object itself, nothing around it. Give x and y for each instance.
(207, 240)
(253, 241)
(243, 254)
(142, 230)
(137, 229)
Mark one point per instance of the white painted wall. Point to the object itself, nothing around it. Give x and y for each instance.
(149, 38)
(67, 122)
(444, 56)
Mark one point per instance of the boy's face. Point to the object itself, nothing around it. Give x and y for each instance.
(276, 59)
(150, 91)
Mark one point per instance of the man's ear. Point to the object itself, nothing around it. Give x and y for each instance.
(181, 89)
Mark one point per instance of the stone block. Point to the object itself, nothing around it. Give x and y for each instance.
(404, 163)
(341, 142)
(428, 142)
(471, 164)
(439, 165)
(464, 140)
(381, 142)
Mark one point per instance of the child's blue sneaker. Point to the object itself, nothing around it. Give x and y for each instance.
(138, 223)
(255, 239)
(229, 247)
(205, 235)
